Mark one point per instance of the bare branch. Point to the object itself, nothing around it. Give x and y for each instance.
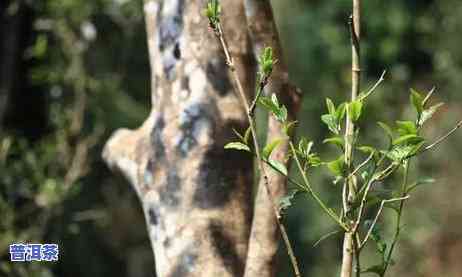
(430, 93)
(361, 165)
(374, 87)
(374, 222)
(441, 139)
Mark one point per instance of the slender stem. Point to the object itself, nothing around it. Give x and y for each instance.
(374, 222)
(429, 94)
(310, 190)
(374, 87)
(399, 216)
(357, 253)
(244, 101)
(350, 183)
(361, 165)
(325, 237)
(441, 139)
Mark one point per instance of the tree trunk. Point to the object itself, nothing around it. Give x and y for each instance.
(263, 244)
(195, 196)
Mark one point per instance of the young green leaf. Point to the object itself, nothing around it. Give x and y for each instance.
(337, 140)
(247, 135)
(340, 112)
(237, 146)
(331, 123)
(212, 12)
(281, 115)
(428, 113)
(266, 62)
(417, 101)
(369, 150)
(269, 148)
(387, 130)
(354, 110)
(330, 106)
(337, 166)
(406, 128)
(408, 139)
(278, 166)
(400, 152)
(314, 160)
(268, 104)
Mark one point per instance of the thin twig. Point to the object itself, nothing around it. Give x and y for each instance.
(313, 193)
(441, 139)
(244, 101)
(361, 165)
(325, 237)
(430, 93)
(374, 87)
(374, 222)
(400, 212)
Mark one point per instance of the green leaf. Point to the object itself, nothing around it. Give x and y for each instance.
(387, 130)
(275, 100)
(400, 152)
(331, 123)
(270, 147)
(213, 11)
(340, 112)
(428, 113)
(304, 146)
(280, 167)
(417, 101)
(366, 149)
(369, 150)
(272, 105)
(247, 134)
(408, 139)
(314, 160)
(330, 106)
(406, 128)
(354, 110)
(281, 115)
(337, 140)
(237, 146)
(268, 104)
(337, 166)
(266, 62)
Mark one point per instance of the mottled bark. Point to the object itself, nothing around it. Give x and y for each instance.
(195, 196)
(264, 241)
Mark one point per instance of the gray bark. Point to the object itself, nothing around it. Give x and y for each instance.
(195, 196)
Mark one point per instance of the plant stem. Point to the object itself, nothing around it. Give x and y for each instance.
(350, 183)
(399, 216)
(310, 190)
(244, 101)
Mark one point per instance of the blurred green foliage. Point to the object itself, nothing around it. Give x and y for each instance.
(89, 60)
